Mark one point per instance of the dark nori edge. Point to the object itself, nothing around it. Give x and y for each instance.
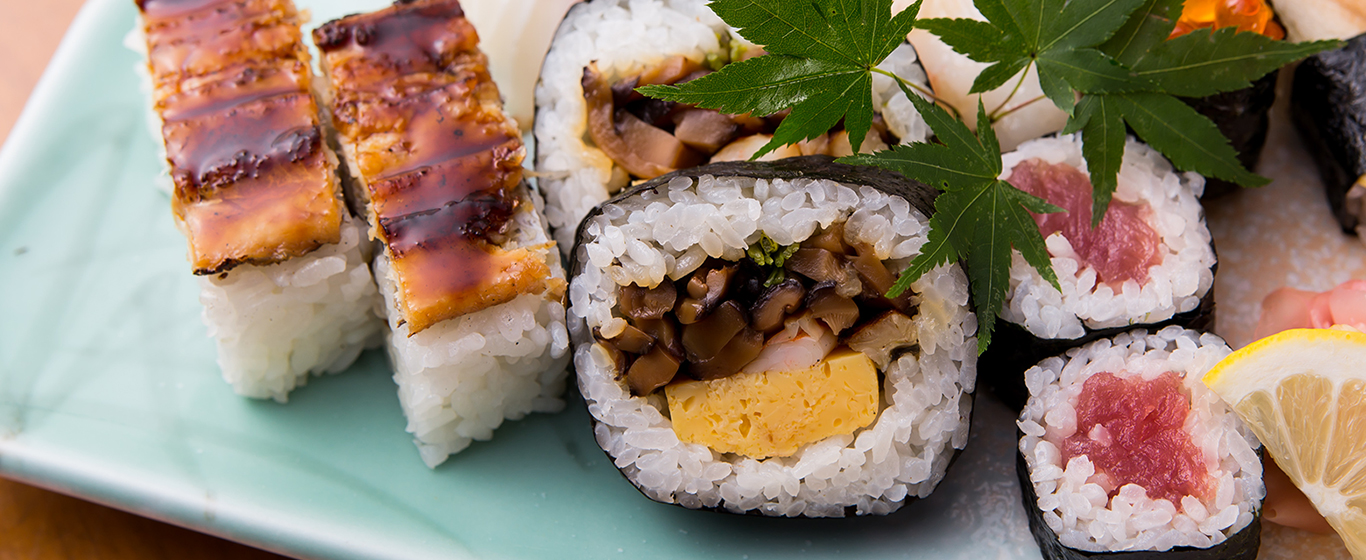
(1328, 106)
(1014, 349)
(1242, 545)
(1243, 116)
(920, 195)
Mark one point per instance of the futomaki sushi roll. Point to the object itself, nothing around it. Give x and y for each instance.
(595, 135)
(736, 350)
(1150, 260)
(1125, 453)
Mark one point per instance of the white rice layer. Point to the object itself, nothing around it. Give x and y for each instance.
(625, 37)
(1176, 285)
(669, 232)
(460, 378)
(275, 324)
(1080, 512)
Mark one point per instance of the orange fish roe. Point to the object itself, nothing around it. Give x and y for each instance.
(1247, 15)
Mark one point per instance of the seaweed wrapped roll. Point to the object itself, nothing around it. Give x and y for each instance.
(736, 350)
(595, 134)
(1329, 109)
(1150, 261)
(1124, 450)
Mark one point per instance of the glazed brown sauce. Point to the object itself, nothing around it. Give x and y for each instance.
(218, 149)
(433, 137)
(435, 186)
(242, 136)
(442, 162)
(216, 38)
(403, 39)
(247, 85)
(178, 8)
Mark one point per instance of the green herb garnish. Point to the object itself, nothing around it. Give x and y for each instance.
(767, 253)
(1107, 63)
(1115, 56)
(978, 218)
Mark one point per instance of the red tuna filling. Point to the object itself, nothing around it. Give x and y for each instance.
(1121, 248)
(1131, 430)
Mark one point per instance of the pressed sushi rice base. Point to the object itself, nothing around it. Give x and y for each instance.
(670, 231)
(461, 378)
(1080, 512)
(624, 38)
(1184, 273)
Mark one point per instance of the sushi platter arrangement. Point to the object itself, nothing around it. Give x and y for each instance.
(943, 279)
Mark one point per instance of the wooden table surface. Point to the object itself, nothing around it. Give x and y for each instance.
(36, 523)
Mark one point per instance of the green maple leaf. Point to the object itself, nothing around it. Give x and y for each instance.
(1196, 64)
(822, 56)
(1057, 36)
(978, 217)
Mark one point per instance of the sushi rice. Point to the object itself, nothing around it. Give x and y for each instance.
(275, 324)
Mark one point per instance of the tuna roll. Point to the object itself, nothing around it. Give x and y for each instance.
(471, 283)
(1243, 116)
(1150, 261)
(282, 264)
(1124, 453)
(736, 351)
(596, 135)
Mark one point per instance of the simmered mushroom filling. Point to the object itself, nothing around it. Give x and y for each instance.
(778, 309)
(648, 137)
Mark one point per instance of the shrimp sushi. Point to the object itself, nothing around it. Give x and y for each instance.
(282, 264)
(471, 284)
(737, 352)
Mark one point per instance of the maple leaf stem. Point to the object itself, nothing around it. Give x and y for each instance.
(997, 118)
(996, 114)
(925, 92)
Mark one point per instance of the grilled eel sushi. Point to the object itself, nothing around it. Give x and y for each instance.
(471, 284)
(282, 265)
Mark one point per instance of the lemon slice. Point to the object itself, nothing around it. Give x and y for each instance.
(1303, 392)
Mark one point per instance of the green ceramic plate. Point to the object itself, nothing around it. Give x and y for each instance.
(109, 391)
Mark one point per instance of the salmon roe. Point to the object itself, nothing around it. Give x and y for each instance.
(1246, 15)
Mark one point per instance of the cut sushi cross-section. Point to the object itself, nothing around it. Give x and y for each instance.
(422, 122)
(253, 180)
(1303, 393)
(736, 349)
(1122, 247)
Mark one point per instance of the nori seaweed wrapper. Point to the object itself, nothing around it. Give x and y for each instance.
(920, 195)
(1244, 117)
(1242, 545)
(1014, 349)
(1328, 105)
